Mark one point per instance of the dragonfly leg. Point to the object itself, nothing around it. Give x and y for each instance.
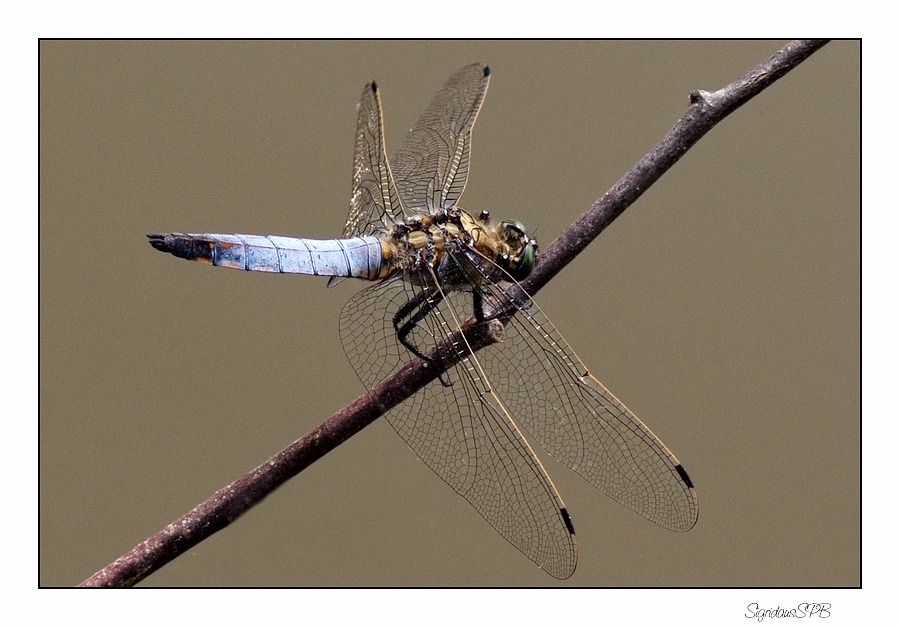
(478, 305)
(420, 306)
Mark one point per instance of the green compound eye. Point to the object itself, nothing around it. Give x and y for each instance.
(523, 250)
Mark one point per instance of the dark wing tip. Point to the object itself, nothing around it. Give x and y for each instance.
(684, 476)
(487, 70)
(568, 520)
(374, 87)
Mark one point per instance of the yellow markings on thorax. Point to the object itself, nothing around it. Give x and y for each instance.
(442, 238)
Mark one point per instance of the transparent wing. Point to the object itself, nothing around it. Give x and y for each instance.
(461, 430)
(374, 201)
(432, 165)
(580, 423)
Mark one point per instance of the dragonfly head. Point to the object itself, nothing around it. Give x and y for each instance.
(522, 249)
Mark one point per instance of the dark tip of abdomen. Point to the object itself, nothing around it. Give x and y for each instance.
(158, 241)
(183, 246)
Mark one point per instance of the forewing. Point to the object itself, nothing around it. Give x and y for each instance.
(432, 165)
(461, 430)
(374, 201)
(578, 421)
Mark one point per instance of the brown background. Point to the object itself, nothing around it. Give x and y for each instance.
(723, 308)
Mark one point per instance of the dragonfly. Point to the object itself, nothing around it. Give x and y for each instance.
(439, 275)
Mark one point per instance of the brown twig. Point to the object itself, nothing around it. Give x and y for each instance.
(226, 505)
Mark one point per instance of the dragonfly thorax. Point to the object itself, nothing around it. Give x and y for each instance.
(434, 239)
